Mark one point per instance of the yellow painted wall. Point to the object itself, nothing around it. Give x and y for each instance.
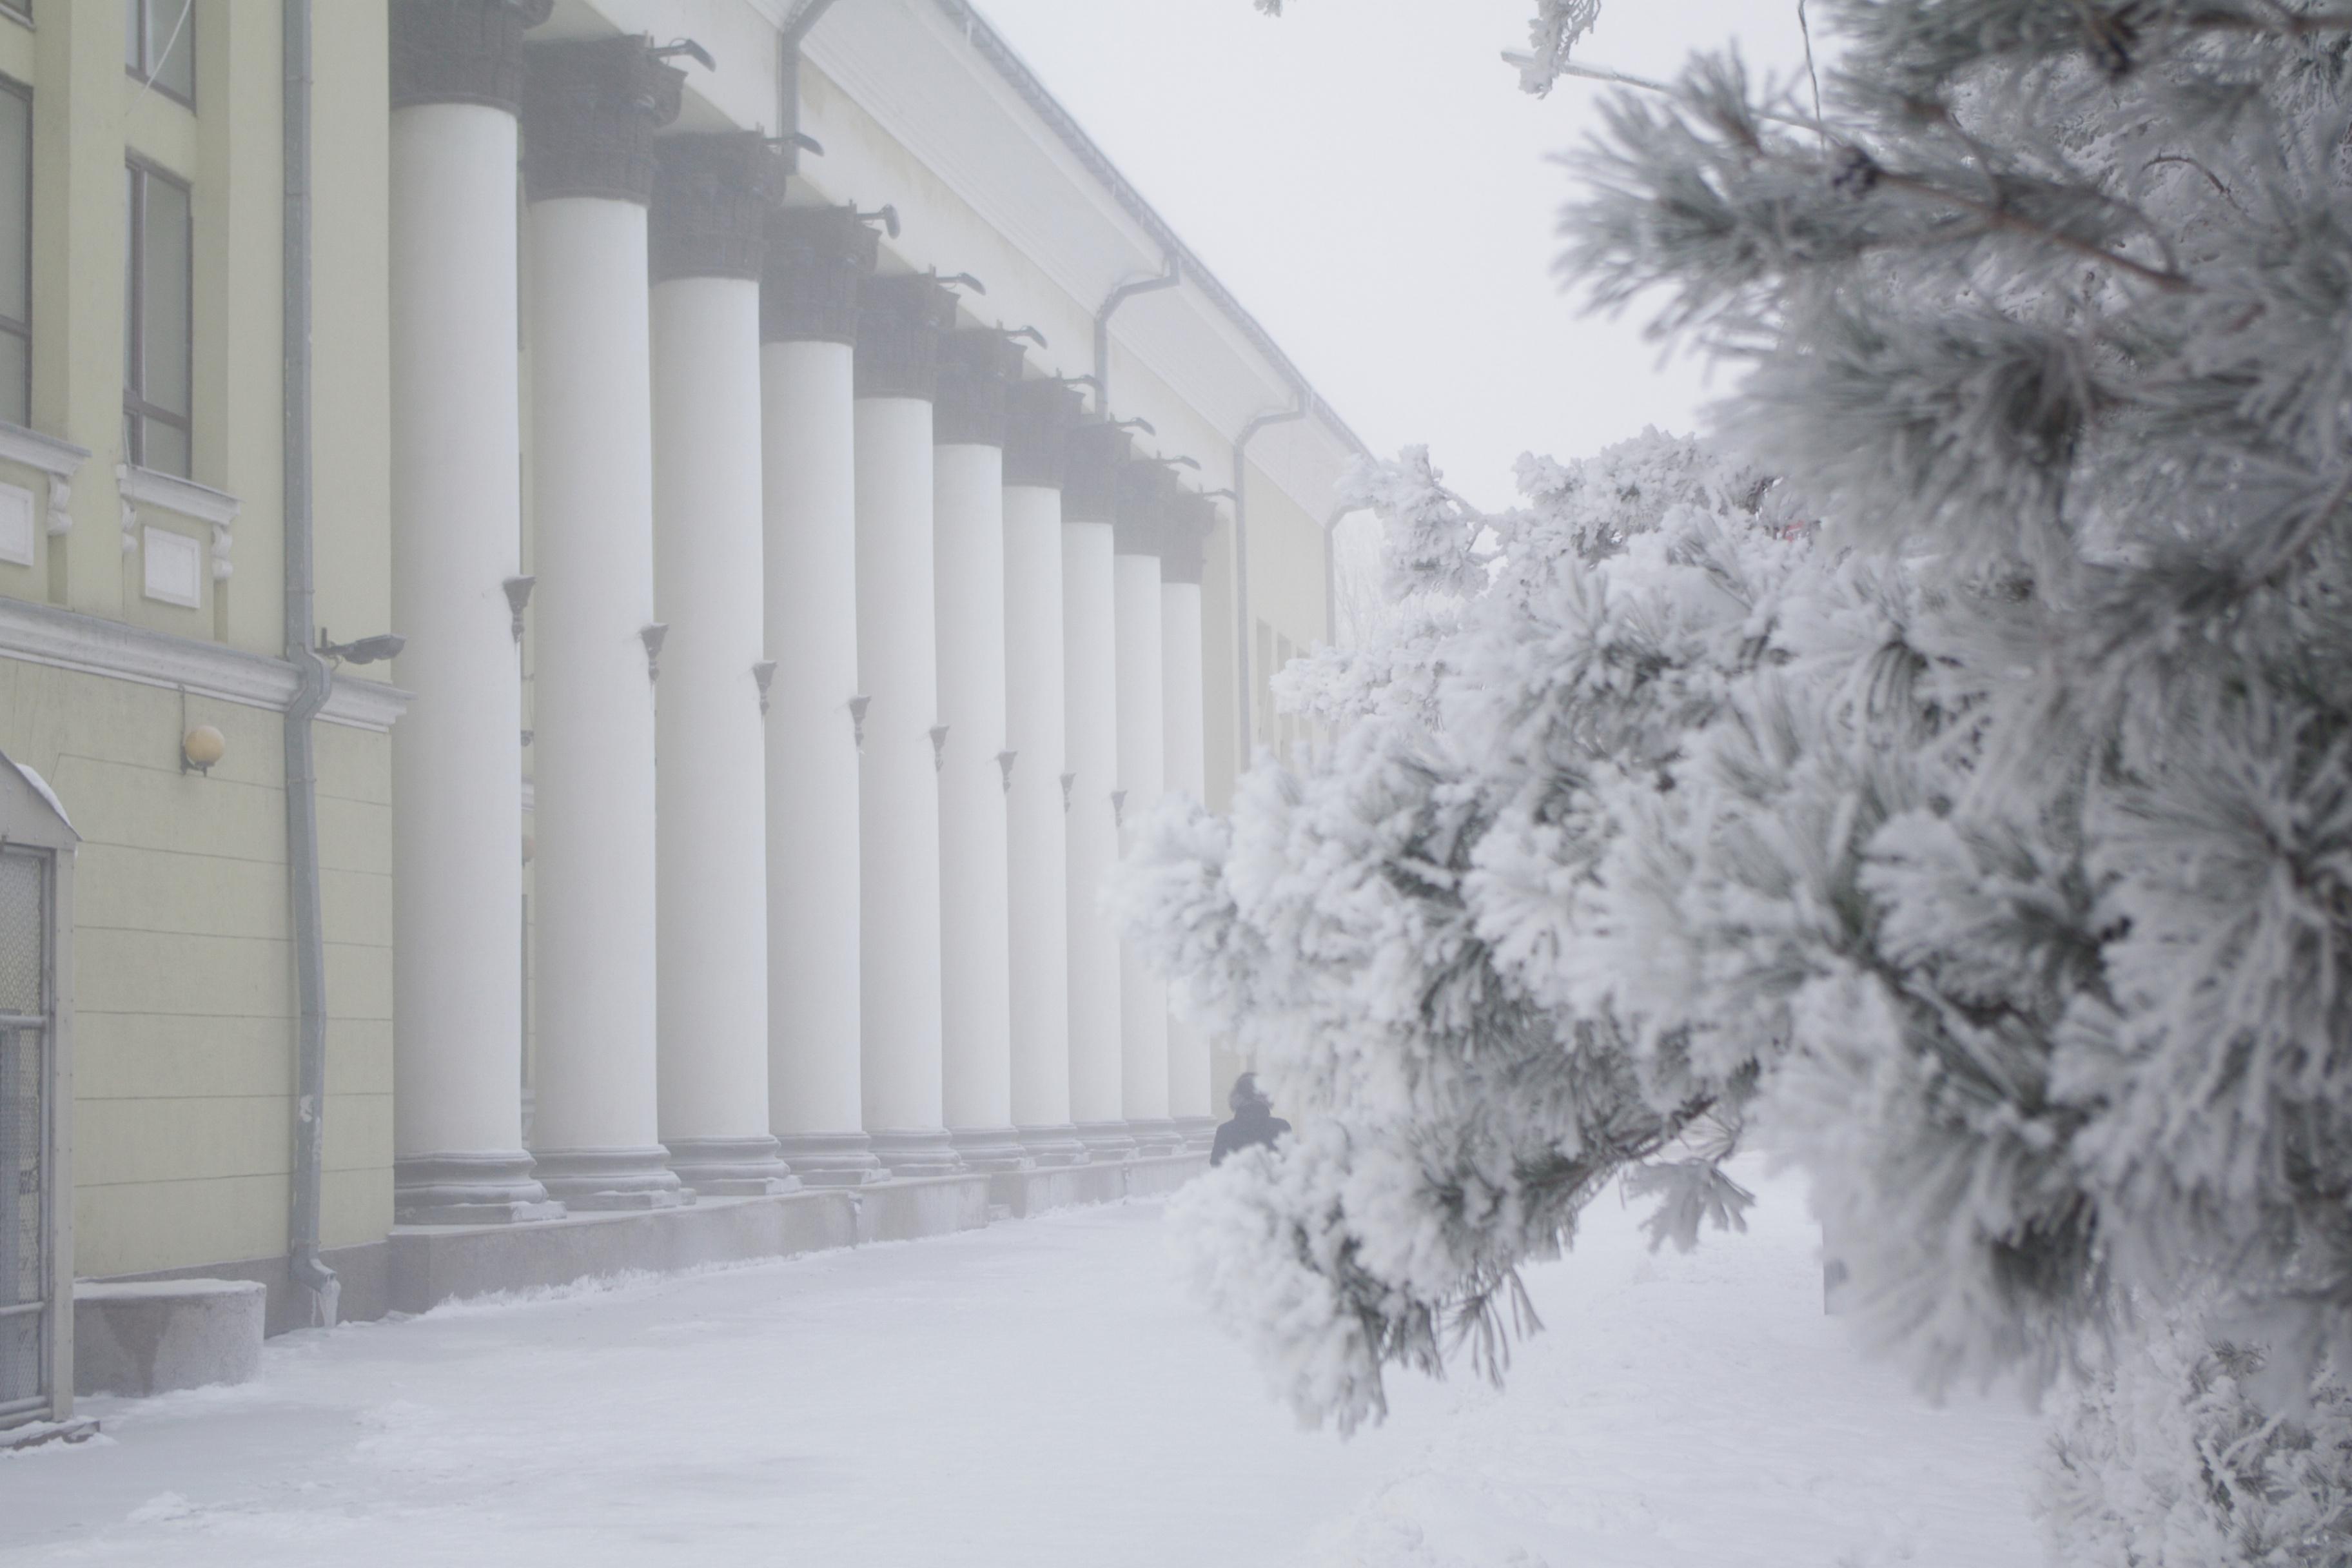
(183, 975)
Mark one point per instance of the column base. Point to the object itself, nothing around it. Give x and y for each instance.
(831, 1159)
(908, 1154)
(1053, 1147)
(1199, 1132)
(1156, 1138)
(990, 1149)
(732, 1167)
(469, 1189)
(601, 1180)
(1106, 1142)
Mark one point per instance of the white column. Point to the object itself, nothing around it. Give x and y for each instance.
(1038, 829)
(1090, 720)
(1183, 719)
(457, 513)
(815, 1100)
(898, 798)
(712, 750)
(1142, 779)
(976, 765)
(591, 474)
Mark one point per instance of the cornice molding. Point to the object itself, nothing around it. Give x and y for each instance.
(145, 487)
(61, 460)
(88, 645)
(58, 459)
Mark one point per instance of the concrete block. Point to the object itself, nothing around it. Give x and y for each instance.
(1158, 1178)
(928, 1206)
(430, 1264)
(150, 1336)
(1026, 1193)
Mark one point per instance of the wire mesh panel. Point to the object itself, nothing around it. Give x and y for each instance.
(23, 935)
(24, 1273)
(24, 1133)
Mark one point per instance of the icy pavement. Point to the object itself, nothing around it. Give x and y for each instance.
(1043, 1394)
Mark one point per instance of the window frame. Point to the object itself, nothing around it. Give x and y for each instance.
(136, 408)
(8, 324)
(142, 70)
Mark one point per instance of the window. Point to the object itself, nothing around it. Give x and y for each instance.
(159, 290)
(159, 45)
(16, 253)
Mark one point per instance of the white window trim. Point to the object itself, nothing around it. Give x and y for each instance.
(60, 461)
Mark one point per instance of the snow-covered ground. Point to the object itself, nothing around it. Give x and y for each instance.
(1043, 1394)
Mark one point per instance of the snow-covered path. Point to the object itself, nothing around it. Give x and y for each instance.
(1043, 1394)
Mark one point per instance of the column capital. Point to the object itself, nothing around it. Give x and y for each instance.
(1039, 416)
(1184, 548)
(900, 321)
(1090, 482)
(977, 368)
(712, 200)
(1146, 494)
(590, 108)
(818, 263)
(461, 51)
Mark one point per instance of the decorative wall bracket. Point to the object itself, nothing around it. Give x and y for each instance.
(1004, 763)
(60, 507)
(1118, 808)
(857, 706)
(939, 747)
(653, 636)
(763, 674)
(1069, 781)
(517, 595)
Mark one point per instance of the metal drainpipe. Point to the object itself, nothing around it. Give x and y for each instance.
(1241, 566)
(1331, 575)
(804, 17)
(1172, 274)
(303, 1264)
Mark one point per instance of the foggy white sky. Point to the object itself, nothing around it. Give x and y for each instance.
(1369, 180)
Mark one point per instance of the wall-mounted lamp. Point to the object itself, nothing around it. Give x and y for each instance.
(1138, 423)
(688, 48)
(857, 706)
(517, 595)
(200, 748)
(886, 215)
(1005, 761)
(939, 747)
(762, 673)
(653, 636)
(366, 651)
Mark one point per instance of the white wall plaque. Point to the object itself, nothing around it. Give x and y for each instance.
(174, 568)
(16, 525)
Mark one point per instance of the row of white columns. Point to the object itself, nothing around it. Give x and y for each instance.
(832, 900)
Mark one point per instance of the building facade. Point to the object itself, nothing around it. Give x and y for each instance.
(814, 502)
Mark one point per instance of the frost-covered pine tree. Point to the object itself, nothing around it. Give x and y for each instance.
(1992, 840)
